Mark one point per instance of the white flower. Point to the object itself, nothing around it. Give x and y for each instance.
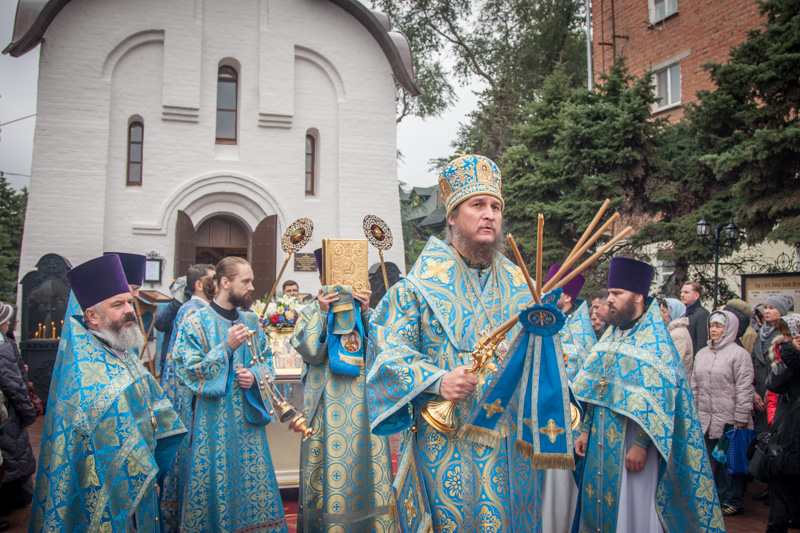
(257, 307)
(272, 309)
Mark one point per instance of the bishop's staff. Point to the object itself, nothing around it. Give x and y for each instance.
(380, 236)
(294, 238)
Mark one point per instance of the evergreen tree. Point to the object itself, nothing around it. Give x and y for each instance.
(748, 129)
(12, 220)
(573, 149)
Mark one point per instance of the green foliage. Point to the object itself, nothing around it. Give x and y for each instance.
(12, 220)
(573, 149)
(511, 45)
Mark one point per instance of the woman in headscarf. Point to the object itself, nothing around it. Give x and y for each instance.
(673, 311)
(722, 383)
(783, 469)
(764, 355)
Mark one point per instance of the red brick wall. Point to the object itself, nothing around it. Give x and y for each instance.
(706, 29)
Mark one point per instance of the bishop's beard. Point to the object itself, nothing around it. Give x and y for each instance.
(477, 254)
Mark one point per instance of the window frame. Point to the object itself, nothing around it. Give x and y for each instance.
(655, 69)
(313, 172)
(235, 110)
(669, 102)
(140, 162)
(654, 19)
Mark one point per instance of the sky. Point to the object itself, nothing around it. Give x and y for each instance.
(418, 140)
(18, 80)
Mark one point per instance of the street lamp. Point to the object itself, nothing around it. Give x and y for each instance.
(731, 235)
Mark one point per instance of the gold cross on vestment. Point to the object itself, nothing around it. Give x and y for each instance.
(411, 510)
(493, 408)
(551, 430)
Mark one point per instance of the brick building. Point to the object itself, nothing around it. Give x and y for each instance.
(671, 38)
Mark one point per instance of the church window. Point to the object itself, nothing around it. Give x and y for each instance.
(227, 103)
(311, 162)
(135, 144)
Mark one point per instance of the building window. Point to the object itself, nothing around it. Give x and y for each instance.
(311, 162)
(668, 86)
(135, 143)
(227, 102)
(661, 9)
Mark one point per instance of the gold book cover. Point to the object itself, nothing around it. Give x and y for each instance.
(345, 262)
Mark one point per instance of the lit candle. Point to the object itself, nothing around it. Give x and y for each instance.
(36, 335)
(53, 326)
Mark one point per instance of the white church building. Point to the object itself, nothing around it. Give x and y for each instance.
(193, 129)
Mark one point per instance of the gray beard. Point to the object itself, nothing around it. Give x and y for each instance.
(476, 254)
(123, 340)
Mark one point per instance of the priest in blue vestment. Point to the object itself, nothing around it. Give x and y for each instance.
(646, 467)
(421, 336)
(221, 354)
(109, 432)
(181, 397)
(330, 335)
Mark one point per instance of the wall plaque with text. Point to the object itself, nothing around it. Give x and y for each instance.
(304, 263)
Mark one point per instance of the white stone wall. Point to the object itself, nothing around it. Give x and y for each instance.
(303, 65)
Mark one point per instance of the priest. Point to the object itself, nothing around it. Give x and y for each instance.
(330, 335)
(222, 356)
(646, 468)
(110, 433)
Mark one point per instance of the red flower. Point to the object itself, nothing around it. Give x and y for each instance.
(274, 319)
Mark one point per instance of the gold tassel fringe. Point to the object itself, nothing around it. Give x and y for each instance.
(483, 436)
(545, 461)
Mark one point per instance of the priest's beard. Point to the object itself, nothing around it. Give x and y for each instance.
(243, 300)
(120, 335)
(477, 254)
(622, 311)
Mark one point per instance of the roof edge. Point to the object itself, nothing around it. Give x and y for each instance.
(30, 27)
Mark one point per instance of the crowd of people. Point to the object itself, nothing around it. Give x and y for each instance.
(652, 384)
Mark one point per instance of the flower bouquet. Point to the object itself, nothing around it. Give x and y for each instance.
(282, 312)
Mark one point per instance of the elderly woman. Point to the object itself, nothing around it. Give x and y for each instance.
(722, 383)
(673, 311)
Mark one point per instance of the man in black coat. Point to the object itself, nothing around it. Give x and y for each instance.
(697, 314)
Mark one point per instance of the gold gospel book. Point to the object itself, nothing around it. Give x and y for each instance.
(345, 262)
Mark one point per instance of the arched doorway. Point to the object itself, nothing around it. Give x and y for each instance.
(219, 237)
(223, 235)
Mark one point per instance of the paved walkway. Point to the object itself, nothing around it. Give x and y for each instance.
(754, 520)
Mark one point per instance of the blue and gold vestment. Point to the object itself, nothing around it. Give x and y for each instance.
(640, 377)
(101, 454)
(231, 483)
(577, 338)
(181, 397)
(346, 470)
(424, 327)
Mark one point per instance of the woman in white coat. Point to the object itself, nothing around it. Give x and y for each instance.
(722, 383)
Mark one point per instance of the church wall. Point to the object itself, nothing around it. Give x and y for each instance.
(302, 64)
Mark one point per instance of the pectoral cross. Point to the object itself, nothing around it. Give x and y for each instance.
(603, 383)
